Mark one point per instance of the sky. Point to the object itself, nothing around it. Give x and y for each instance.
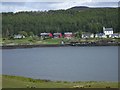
(42, 5)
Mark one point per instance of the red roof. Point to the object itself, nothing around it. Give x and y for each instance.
(50, 35)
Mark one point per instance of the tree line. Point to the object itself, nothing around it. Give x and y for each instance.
(34, 22)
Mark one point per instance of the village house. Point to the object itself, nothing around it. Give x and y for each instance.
(46, 35)
(57, 35)
(115, 35)
(68, 35)
(100, 35)
(19, 36)
(107, 31)
(87, 35)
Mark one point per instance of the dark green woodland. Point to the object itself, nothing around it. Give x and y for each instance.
(76, 19)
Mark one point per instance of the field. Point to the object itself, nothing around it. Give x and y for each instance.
(23, 82)
(30, 40)
(38, 40)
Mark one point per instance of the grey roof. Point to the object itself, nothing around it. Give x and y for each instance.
(18, 35)
(56, 33)
(115, 34)
(44, 33)
(108, 29)
(100, 34)
(68, 33)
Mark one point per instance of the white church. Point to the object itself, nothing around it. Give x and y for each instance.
(108, 31)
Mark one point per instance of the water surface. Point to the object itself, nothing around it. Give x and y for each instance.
(63, 63)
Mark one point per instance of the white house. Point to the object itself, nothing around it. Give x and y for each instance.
(19, 36)
(100, 35)
(87, 35)
(115, 35)
(107, 31)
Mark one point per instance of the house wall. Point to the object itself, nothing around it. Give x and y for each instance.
(68, 36)
(108, 32)
(92, 36)
(19, 36)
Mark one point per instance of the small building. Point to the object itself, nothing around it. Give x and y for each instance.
(108, 31)
(87, 35)
(57, 35)
(19, 36)
(62, 42)
(68, 35)
(100, 35)
(46, 35)
(115, 35)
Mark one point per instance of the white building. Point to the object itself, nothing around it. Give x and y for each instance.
(100, 35)
(87, 35)
(19, 36)
(107, 31)
(115, 35)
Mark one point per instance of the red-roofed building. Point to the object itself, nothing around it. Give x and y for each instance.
(68, 35)
(46, 35)
(50, 35)
(57, 35)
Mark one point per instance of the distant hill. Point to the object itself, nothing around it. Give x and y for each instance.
(79, 8)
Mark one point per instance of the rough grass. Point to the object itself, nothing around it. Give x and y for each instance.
(37, 40)
(0, 82)
(23, 82)
(32, 41)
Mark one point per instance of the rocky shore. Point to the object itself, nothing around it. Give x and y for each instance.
(58, 45)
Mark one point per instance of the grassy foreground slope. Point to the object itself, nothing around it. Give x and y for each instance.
(0, 82)
(22, 82)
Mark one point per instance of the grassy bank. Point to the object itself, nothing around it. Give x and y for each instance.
(37, 41)
(23, 82)
(30, 40)
(0, 82)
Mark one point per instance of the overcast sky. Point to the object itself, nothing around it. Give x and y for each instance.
(29, 5)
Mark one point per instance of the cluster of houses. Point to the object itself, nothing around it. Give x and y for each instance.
(107, 33)
(67, 35)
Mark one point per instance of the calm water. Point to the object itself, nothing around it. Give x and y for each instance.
(63, 63)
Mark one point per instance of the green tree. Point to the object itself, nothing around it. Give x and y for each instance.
(79, 34)
(30, 34)
(23, 33)
(91, 20)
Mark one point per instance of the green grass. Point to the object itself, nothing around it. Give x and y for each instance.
(0, 82)
(55, 40)
(37, 40)
(30, 40)
(22, 82)
(18, 41)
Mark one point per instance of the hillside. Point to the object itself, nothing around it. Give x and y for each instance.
(23, 82)
(79, 8)
(85, 20)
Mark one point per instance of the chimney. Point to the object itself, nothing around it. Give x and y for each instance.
(103, 28)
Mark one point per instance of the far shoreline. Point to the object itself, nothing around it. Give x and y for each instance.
(55, 45)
